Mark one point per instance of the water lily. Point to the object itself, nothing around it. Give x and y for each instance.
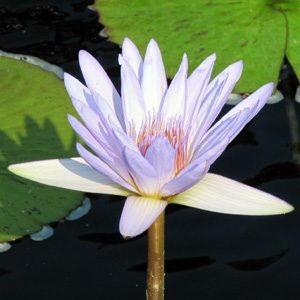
(154, 144)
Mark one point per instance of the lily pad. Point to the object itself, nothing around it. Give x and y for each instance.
(33, 126)
(259, 32)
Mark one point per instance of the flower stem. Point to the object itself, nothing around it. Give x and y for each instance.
(156, 260)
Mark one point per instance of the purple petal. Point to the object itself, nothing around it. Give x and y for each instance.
(79, 91)
(236, 119)
(139, 213)
(175, 100)
(161, 155)
(211, 107)
(217, 139)
(255, 102)
(106, 152)
(200, 125)
(144, 175)
(70, 173)
(154, 83)
(103, 168)
(196, 87)
(133, 103)
(104, 109)
(96, 79)
(87, 137)
(188, 177)
(220, 194)
(133, 57)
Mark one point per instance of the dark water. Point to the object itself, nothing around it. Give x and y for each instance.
(209, 255)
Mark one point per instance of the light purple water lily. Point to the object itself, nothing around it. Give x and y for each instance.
(155, 144)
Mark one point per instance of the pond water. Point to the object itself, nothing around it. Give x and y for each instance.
(209, 255)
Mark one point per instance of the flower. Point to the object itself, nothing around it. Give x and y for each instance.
(155, 144)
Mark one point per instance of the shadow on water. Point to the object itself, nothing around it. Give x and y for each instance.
(256, 264)
(178, 264)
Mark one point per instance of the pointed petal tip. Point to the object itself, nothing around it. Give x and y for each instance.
(223, 195)
(138, 214)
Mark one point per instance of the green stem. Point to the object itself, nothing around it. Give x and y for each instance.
(156, 260)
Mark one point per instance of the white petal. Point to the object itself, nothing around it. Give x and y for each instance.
(133, 103)
(70, 173)
(131, 53)
(220, 194)
(139, 213)
(223, 84)
(196, 88)
(78, 91)
(96, 79)
(175, 99)
(154, 83)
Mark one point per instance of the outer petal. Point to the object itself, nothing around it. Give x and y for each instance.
(175, 99)
(240, 115)
(79, 91)
(255, 102)
(142, 172)
(154, 83)
(70, 173)
(96, 79)
(196, 87)
(139, 213)
(210, 108)
(103, 168)
(133, 103)
(87, 137)
(190, 176)
(161, 155)
(220, 194)
(131, 53)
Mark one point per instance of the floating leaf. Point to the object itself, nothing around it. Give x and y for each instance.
(33, 126)
(259, 32)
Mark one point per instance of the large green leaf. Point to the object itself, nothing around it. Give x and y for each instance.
(33, 126)
(254, 31)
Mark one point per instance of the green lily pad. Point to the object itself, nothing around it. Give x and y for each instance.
(259, 32)
(33, 126)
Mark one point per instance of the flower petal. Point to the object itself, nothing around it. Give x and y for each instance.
(220, 194)
(188, 177)
(175, 100)
(139, 213)
(255, 102)
(154, 83)
(96, 79)
(79, 91)
(69, 173)
(132, 97)
(161, 155)
(196, 88)
(96, 163)
(88, 138)
(144, 175)
(131, 53)
(238, 117)
(216, 140)
(210, 108)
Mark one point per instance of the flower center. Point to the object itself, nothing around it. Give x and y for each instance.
(171, 129)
